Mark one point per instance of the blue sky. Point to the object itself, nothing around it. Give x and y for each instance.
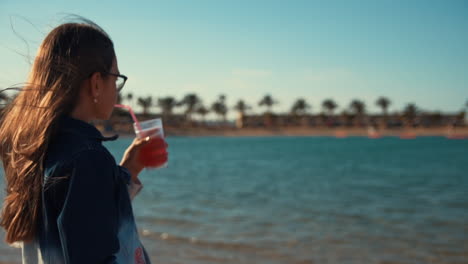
(410, 51)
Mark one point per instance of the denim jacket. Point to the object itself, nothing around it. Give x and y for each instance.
(87, 215)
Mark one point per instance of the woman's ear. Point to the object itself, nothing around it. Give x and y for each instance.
(95, 85)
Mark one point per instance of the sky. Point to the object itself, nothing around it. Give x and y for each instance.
(409, 51)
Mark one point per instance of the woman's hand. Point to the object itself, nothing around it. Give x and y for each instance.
(130, 159)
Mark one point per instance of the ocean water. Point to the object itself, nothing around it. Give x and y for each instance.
(303, 200)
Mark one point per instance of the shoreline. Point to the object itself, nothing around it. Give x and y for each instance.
(455, 133)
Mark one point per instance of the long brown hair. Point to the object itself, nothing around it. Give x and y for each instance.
(69, 54)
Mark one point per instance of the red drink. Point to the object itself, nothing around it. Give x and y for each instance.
(153, 154)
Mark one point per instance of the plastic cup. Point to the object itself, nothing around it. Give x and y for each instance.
(153, 154)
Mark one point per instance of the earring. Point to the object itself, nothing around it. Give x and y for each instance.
(95, 100)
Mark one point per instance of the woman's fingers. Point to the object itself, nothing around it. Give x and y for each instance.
(155, 149)
(139, 142)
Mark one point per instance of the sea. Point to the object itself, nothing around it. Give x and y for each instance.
(302, 200)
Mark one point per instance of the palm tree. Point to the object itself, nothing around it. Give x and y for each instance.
(383, 102)
(359, 108)
(219, 107)
(299, 111)
(409, 113)
(267, 101)
(203, 111)
(329, 106)
(167, 104)
(145, 103)
(241, 108)
(191, 101)
(300, 107)
(129, 98)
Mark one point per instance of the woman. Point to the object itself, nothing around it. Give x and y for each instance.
(67, 200)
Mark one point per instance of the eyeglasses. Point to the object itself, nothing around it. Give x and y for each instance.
(120, 81)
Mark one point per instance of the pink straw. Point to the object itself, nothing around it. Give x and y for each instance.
(131, 113)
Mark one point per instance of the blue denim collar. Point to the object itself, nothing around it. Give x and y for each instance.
(68, 124)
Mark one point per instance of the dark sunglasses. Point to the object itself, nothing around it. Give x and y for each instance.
(120, 82)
